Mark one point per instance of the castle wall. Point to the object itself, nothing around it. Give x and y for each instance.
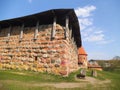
(56, 55)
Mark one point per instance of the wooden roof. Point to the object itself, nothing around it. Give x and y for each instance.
(94, 66)
(81, 51)
(46, 17)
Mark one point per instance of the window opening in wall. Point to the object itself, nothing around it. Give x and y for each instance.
(9, 49)
(7, 41)
(17, 49)
(11, 56)
(36, 58)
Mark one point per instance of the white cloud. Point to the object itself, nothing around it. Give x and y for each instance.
(89, 32)
(105, 42)
(98, 32)
(93, 34)
(84, 16)
(85, 11)
(93, 38)
(85, 22)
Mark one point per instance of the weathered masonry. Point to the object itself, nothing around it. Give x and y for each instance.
(43, 42)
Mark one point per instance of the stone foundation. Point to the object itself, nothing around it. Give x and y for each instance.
(56, 55)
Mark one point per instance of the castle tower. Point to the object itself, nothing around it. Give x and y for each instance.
(82, 57)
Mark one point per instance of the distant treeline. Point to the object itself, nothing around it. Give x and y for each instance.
(109, 65)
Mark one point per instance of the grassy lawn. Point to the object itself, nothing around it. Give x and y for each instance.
(28, 80)
(115, 79)
(27, 76)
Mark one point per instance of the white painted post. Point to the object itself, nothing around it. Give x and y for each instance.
(67, 22)
(21, 32)
(36, 31)
(70, 33)
(66, 26)
(9, 32)
(54, 27)
(8, 35)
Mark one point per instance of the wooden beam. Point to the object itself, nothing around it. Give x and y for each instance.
(70, 33)
(8, 35)
(21, 32)
(36, 31)
(54, 28)
(9, 30)
(67, 22)
(66, 26)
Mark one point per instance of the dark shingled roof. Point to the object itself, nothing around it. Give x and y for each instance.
(46, 17)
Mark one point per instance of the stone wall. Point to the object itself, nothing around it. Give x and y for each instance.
(56, 55)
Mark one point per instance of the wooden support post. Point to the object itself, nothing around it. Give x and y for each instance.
(8, 35)
(36, 31)
(21, 32)
(54, 28)
(75, 46)
(70, 33)
(9, 32)
(73, 36)
(72, 40)
(67, 22)
(66, 26)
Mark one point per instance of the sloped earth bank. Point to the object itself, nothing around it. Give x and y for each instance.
(81, 83)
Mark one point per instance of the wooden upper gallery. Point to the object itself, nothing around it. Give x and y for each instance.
(47, 17)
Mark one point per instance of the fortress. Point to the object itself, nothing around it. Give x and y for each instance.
(43, 42)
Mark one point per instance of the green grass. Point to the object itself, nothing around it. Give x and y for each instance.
(113, 76)
(28, 76)
(20, 80)
(24, 80)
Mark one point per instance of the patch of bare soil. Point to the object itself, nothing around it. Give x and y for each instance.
(92, 80)
(1, 86)
(80, 84)
(62, 85)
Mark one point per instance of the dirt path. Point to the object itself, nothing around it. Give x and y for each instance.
(94, 81)
(62, 85)
(80, 84)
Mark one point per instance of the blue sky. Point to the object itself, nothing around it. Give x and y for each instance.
(99, 21)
